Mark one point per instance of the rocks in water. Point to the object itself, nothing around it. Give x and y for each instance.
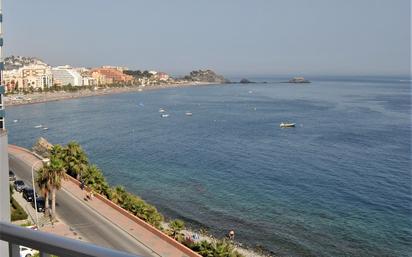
(246, 81)
(206, 76)
(42, 147)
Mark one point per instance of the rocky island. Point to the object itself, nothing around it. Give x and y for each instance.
(206, 76)
(246, 81)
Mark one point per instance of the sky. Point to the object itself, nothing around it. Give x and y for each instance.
(232, 37)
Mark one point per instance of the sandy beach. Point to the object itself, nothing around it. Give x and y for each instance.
(37, 97)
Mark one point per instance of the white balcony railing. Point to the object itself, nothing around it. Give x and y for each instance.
(48, 244)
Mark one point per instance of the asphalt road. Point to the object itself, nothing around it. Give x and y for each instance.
(86, 222)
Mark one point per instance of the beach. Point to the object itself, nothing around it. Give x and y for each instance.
(42, 97)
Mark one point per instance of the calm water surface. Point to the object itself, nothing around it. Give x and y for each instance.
(339, 184)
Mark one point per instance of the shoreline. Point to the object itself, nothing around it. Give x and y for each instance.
(245, 250)
(44, 97)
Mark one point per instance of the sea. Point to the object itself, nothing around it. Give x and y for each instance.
(338, 184)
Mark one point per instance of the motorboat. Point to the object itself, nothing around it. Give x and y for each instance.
(38, 126)
(189, 114)
(164, 115)
(45, 128)
(161, 110)
(298, 80)
(287, 125)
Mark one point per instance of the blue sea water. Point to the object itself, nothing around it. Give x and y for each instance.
(339, 184)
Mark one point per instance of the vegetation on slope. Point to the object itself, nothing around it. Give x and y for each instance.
(17, 212)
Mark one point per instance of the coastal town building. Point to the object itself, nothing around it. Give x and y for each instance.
(101, 79)
(162, 76)
(66, 75)
(110, 76)
(119, 68)
(36, 77)
(89, 81)
(32, 77)
(12, 80)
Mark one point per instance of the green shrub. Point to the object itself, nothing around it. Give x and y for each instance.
(220, 248)
(17, 212)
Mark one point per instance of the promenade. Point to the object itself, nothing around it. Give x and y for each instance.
(145, 235)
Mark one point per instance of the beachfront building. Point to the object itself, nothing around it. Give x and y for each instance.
(31, 77)
(36, 77)
(12, 80)
(101, 79)
(162, 76)
(89, 81)
(66, 75)
(107, 76)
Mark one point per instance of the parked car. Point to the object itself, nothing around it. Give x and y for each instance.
(28, 194)
(18, 185)
(12, 176)
(27, 252)
(40, 204)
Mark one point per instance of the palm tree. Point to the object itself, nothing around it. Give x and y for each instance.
(53, 174)
(94, 178)
(223, 248)
(205, 249)
(117, 194)
(75, 159)
(58, 151)
(42, 181)
(175, 228)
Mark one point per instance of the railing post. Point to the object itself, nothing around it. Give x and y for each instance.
(14, 250)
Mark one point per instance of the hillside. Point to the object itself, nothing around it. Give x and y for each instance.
(16, 62)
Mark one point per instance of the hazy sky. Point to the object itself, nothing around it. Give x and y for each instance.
(233, 37)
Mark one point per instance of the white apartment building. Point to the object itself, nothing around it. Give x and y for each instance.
(89, 81)
(65, 75)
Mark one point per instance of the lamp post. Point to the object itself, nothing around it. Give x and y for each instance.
(45, 161)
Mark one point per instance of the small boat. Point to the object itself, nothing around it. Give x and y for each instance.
(38, 126)
(15, 121)
(164, 115)
(298, 80)
(287, 125)
(45, 128)
(161, 110)
(189, 114)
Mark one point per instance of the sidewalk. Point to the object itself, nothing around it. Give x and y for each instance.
(58, 228)
(141, 231)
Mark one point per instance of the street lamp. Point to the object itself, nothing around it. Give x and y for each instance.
(45, 161)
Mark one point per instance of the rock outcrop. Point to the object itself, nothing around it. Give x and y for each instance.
(206, 76)
(42, 147)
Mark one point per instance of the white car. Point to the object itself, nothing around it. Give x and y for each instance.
(27, 252)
